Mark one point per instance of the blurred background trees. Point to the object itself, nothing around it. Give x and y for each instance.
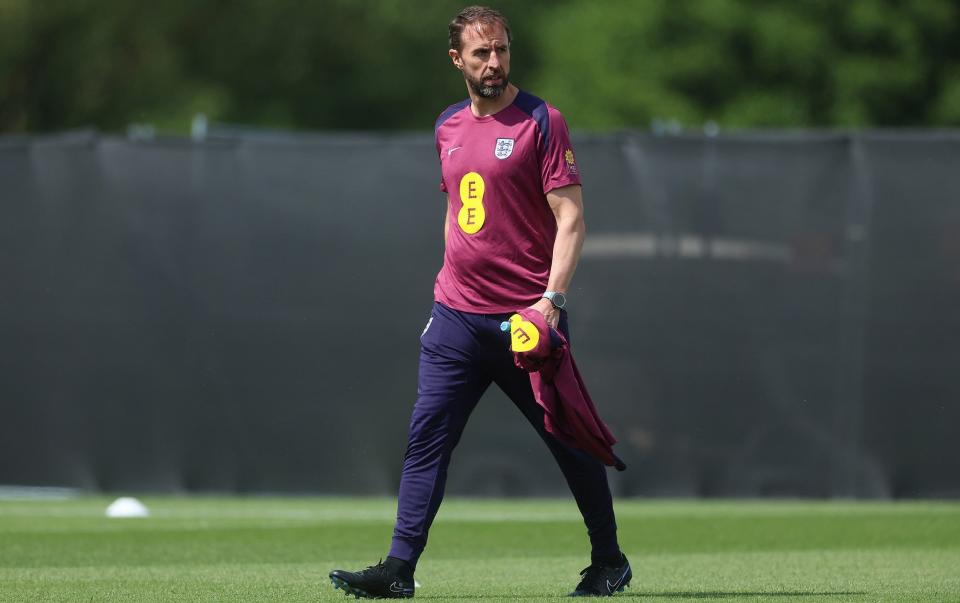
(382, 64)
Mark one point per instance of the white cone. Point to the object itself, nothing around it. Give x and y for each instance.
(126, 506)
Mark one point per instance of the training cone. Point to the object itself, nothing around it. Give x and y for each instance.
(126, 506)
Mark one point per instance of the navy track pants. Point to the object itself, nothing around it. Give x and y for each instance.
(461, 354)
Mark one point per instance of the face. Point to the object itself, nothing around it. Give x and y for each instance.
(484, 59)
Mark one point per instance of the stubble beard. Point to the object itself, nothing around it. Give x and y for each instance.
(485, 91)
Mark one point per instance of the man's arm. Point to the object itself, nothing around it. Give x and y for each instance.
(567, 205)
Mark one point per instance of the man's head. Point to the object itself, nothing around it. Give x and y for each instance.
(480, 48)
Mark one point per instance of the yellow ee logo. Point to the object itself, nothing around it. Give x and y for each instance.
(472, 215)
(524, 335)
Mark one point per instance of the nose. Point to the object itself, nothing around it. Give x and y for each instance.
(494, 62)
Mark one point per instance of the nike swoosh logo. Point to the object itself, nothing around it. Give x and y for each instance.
(612, 587)
(396, 587)
(451, 150)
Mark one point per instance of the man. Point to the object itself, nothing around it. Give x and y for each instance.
(514, 229)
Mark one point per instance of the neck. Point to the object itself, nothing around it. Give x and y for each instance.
(482, 106)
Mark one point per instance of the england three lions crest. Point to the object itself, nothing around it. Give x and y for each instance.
(504, 148)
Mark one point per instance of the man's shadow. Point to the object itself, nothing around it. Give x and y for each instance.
(682, 595)
(735, 594)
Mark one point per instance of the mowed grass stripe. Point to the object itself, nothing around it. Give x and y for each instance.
(813, 576)
(266, 549)
(528, 509)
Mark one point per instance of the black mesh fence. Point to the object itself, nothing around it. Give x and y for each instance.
(755, 315)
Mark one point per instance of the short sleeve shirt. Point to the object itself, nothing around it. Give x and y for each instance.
(497, 170)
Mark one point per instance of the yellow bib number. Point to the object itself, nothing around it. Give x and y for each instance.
(472, 215)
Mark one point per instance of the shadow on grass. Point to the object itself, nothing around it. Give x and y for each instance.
(731, 595)
(677, 595)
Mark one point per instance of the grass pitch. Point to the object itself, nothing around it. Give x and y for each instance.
(281, 549)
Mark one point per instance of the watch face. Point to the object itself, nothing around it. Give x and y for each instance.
(559, 300)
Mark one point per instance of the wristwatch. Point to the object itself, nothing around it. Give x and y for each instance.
(556, 298)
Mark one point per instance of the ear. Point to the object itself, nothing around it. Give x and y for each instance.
(455, 57)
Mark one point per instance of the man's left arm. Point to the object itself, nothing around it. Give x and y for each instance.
(567, 205)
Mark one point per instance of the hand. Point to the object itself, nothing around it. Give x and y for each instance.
(550, 313)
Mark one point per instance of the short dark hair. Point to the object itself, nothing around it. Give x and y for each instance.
(481, 15)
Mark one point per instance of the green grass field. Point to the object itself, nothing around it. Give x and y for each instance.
(281, 549)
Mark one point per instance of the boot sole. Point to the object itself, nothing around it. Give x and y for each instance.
(359, 593)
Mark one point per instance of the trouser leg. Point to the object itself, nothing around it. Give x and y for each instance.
(450, 382)
(585, 475)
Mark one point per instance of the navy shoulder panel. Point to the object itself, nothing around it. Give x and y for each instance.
(537, 109)
(449, 112)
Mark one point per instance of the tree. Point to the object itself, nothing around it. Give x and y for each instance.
(382, 64)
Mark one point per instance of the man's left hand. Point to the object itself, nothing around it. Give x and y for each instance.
(550, 313)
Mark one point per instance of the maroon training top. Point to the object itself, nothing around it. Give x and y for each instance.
(497, 170)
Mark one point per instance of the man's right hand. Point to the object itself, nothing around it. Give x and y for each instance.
(550, 313)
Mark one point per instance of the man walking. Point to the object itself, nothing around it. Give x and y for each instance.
(514, 229)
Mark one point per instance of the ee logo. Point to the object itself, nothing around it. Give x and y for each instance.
(524, 335)
(472, 214)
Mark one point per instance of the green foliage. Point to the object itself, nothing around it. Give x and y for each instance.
(754, 63)
(382, 64)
